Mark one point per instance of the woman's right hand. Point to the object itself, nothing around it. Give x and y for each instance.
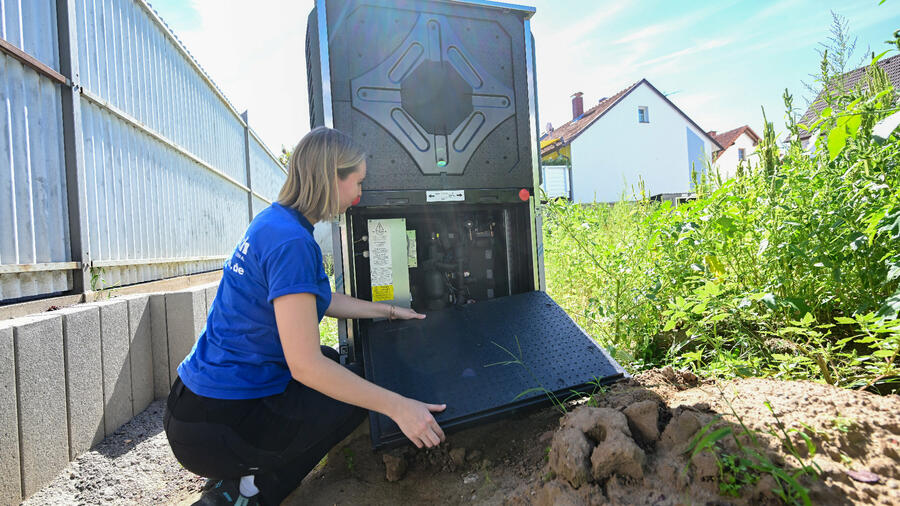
(417, 423)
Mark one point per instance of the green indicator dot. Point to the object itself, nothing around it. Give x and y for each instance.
(441, 163)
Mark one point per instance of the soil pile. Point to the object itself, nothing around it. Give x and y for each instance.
(645, 442)
(635, 444)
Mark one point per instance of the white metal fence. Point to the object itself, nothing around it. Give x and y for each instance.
(120, 159)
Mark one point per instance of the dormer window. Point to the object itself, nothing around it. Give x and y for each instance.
(643, 114)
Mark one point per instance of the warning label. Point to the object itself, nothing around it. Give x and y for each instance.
(380, 256)
(380, 293)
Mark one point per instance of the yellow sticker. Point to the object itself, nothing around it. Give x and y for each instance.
(380, 293)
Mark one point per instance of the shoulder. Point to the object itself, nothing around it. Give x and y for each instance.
(274, 228)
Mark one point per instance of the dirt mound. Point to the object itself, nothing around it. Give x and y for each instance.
(663, 437)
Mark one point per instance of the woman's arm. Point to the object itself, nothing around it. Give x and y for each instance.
(295, 315)
(345, 306)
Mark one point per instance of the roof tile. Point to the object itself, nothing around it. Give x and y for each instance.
(567, 133)
(891, 67)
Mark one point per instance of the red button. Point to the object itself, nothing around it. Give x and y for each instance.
(524, 195)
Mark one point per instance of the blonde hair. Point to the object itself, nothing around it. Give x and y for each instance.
(322, 156)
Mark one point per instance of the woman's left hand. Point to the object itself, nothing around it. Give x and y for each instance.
(402, 313)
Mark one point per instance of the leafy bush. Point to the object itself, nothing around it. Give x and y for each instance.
(790, 269)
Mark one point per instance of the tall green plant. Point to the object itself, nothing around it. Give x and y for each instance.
(792, 269)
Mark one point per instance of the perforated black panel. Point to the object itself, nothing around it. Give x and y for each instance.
(457, 356)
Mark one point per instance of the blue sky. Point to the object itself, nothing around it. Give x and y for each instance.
(717, 61)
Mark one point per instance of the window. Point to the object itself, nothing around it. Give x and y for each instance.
(643, 115)
(741, 153)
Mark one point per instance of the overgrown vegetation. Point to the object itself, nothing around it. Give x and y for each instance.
(789, 270)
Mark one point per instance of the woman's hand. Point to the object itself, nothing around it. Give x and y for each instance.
(417, 423)
(402, 313)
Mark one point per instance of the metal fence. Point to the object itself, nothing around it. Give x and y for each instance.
(120, 160)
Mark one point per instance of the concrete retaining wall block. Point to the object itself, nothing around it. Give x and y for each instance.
(114, 343)
(41, 386)
(84, 377)
(140, 351)
(10, 465)
(211, 290)
(185, 319)
(159, 338)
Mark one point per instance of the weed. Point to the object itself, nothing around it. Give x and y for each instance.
(517, 360)
(842, 424)
(349, 454)
(559, 404)
(847, 461)
(100, 285)
(737, 470)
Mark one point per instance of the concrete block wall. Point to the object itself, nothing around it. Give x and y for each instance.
(117, 407)
(185, 319)
(140, 352)
(84, 376)
(41, 393)
(68, 378)
(10, 463)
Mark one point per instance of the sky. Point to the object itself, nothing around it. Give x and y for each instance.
(719, 62)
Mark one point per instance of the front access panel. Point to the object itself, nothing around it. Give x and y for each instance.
(456, 357)
(436, 92)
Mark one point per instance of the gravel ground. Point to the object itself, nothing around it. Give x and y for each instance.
(132, 466)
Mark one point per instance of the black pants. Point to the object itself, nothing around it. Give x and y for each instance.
(278, 439)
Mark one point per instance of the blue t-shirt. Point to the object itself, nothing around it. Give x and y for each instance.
(239, 354)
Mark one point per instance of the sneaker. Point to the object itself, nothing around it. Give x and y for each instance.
(225, 493)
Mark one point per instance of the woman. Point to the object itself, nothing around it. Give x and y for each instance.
(258, 402)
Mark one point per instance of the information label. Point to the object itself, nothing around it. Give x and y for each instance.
(445, 195)
(411, 260)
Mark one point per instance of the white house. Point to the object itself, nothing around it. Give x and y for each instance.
(737, 146)
(637, 135)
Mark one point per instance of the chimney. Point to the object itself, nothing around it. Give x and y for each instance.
(549, 127)
(577, 105)
(711, 133)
